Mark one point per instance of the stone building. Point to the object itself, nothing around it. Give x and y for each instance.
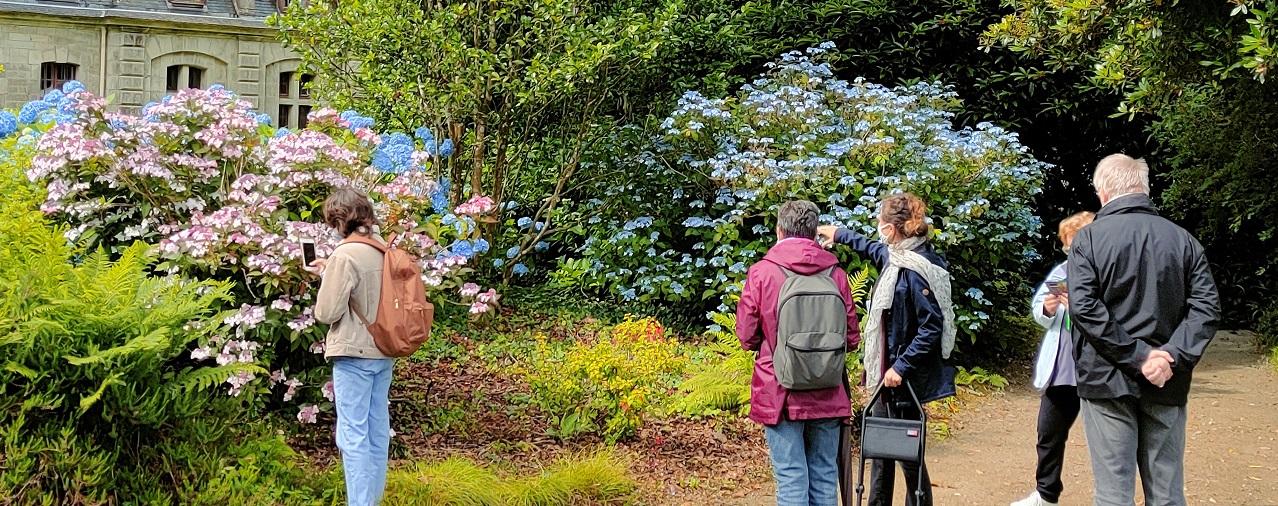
(140, 50)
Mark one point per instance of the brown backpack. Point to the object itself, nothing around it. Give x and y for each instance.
(404, 316)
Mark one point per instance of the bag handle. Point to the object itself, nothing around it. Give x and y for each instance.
(878, 392)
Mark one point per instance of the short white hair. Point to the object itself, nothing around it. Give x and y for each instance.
(1121, 174)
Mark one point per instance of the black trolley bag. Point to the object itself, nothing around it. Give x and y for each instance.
(889, 439)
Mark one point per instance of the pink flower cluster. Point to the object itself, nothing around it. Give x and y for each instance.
(484, 302)
(225, 200)
(238, 382)
(248, 317)
(175, 153)
(476, 206)
(308, 413)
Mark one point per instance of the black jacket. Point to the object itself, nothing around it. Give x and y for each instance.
(912, 326)
(1138, 282)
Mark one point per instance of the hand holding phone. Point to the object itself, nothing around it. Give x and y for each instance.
(1057, 288)
(308, 255)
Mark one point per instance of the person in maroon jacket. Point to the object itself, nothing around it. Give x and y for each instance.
(802, 427)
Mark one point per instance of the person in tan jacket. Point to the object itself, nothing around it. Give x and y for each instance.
(351, 280)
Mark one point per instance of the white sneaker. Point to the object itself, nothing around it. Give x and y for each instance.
(1033, 500)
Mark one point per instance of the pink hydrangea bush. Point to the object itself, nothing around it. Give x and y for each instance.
(222, 195)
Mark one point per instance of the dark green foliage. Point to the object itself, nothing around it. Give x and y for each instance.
(99, 402)
(1221, 155)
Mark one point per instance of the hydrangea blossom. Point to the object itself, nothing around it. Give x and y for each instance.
(327, 390)
(469, 290)
(292, 384)
(798, 132)
(308, 414)
(8, 123)
(220, 187)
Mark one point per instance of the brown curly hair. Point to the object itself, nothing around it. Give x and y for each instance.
(347, 210)
(907, 213)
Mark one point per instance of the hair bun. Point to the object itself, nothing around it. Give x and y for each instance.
(916, 226)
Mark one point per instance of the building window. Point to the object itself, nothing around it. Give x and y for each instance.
(302, 113)
(304, 86)
(286, 112)
(183, 76)
(188, 4)
(54, 75)
(295, 94)
(286, 84)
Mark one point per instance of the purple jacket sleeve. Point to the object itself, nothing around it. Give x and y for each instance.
(749, 332)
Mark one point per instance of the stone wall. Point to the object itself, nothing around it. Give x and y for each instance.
(26, 44)
(138, 56)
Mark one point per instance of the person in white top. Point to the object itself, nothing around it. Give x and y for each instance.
(1054, 373)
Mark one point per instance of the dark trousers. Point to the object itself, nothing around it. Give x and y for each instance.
(883, 472)
(1056, 414)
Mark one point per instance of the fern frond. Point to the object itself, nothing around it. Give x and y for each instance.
(206, 377)
(89, 400)
(155, 340)
(859, 283)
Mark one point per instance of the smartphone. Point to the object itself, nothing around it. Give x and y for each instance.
(1057, 288)
(308, 252)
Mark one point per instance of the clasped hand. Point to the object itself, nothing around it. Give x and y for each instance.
(1157, 367)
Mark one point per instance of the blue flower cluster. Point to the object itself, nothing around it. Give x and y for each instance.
(439, 198)
(57, 106)
(356, 120)
(8, 123)
(799, 132)
(395, 154)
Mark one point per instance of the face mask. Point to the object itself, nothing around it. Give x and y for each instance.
(883, 236)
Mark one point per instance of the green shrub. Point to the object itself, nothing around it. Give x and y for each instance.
(99, 400)
(696, 203)
(1267, 327)
(721, 382)
(261, 469)
(977, 377)
(606, 386)
(590, 479)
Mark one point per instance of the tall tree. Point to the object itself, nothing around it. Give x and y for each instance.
(1198, 69)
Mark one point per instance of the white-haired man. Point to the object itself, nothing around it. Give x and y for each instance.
(1144, 307)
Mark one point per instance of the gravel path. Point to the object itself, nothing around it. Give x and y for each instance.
(1231, 453)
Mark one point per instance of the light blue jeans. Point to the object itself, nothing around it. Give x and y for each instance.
(362, 391)
(805, 461)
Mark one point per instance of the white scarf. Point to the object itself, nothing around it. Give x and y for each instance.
(902, 256)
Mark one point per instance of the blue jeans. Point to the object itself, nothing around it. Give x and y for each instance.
(805, 461)
(362, 392)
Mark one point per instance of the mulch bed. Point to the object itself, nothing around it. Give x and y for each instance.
(462, 410)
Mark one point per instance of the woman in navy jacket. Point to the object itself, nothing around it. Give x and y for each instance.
(912, 330)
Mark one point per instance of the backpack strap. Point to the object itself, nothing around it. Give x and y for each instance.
(359, 315)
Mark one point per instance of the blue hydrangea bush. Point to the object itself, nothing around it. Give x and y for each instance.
(697, 204)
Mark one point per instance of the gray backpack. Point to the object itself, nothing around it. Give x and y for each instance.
(812, 331)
